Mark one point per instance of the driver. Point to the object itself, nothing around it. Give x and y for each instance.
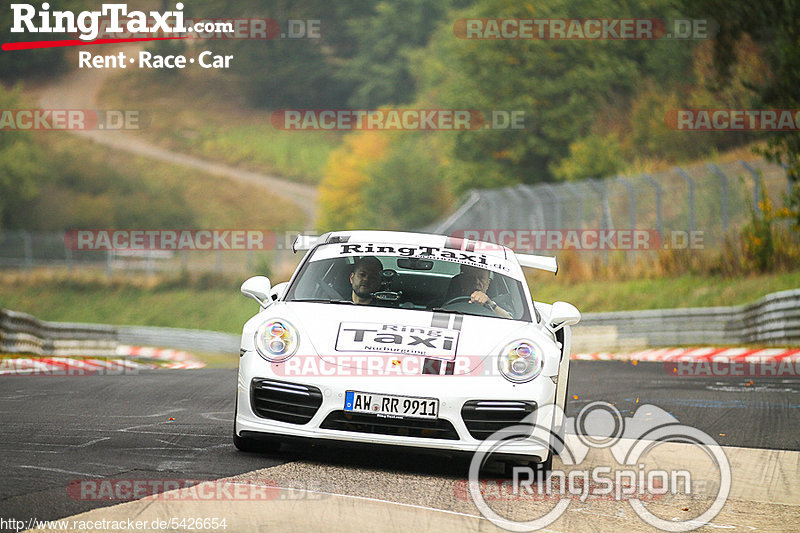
(474, 282)
(366, 279)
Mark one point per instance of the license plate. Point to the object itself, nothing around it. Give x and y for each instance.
(391, 406)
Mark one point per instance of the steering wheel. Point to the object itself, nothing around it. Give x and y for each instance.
(457, 299)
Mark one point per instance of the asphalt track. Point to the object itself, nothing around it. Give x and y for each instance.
(56, 430)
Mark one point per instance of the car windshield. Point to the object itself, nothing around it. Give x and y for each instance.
(417, 283)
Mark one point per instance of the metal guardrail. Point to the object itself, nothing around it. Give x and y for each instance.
(774, 319)
(24, 334)
(21, 333)
(193, 340)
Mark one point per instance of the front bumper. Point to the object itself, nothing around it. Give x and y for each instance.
(452, 391)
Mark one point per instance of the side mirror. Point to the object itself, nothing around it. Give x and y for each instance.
(278, 291)
(257, 288)
(563, 314)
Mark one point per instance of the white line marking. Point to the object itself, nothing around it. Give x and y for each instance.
(58, 470)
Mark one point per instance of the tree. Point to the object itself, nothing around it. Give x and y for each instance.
(23, 166)
(341, 199)
(775, 26)
(384, 36)
(561, 86)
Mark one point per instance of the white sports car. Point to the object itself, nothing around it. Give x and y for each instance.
(409, 339)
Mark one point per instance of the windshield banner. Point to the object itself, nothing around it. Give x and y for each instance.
(475, 259)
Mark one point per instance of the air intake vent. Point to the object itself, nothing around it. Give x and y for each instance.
(484, 417)
(285, 402)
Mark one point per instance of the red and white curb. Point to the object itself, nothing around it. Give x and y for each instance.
(709, 354)
(128, 360)
(173, 358)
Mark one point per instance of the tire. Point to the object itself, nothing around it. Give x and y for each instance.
(246, 444)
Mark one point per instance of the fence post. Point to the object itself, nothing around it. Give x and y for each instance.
(631, 200)
(26, 243)
(631, 207)
(690, 182)
(724, 180)
(528, 193)
(556, 201)
(67, 254)
(447, 225)
(756, 184)
(600, 187)
(657, 188)
(605, 213)
(109, 263)
(577, 194)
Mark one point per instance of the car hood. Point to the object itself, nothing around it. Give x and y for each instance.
(340, 333)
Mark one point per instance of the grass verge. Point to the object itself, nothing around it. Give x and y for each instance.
(219, 306)
(205, 114)
(662, 293)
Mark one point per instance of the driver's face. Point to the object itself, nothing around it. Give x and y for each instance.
(475, 279)
(365, 281)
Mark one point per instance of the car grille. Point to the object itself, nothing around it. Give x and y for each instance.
(484, 417)
(285, 402)
(407, 427)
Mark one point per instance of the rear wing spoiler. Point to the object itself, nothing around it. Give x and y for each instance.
(304, 242)
(542, 262)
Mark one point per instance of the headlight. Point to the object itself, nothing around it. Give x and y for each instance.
(276, 340)
(520, 361)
